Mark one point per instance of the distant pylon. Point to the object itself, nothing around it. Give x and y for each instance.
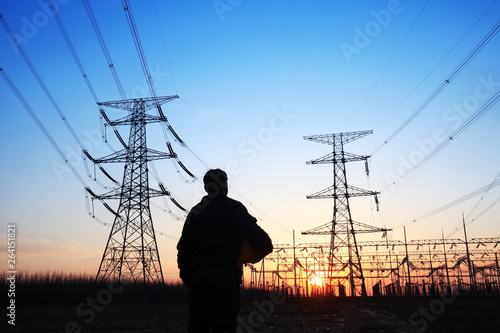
(342, 229)
(131, 253)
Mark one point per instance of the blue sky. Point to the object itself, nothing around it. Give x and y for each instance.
(254, 77)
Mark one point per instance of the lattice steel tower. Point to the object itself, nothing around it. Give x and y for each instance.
(342, 229)
(131, 252)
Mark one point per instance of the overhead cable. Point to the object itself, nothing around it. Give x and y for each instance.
(466, 197)
(445, 83)
(437, 65)
(39, 79)
(85, 77)
(104, 48)
(164, 45)
(149, 80)
(472, 119)
(390, 61)
(41, 126)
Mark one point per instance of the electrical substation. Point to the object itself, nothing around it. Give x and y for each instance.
(348, 266)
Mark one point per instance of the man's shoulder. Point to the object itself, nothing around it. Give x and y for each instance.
(223, 202)
(234, 203)
(230, 205)
(198, 208)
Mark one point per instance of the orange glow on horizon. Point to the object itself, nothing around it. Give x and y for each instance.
(316, 280)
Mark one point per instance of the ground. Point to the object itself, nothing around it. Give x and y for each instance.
(424, 314)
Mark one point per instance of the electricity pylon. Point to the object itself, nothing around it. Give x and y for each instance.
(131, 253)
(342, 229)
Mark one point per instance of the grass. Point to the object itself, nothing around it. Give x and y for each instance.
(36, 288)
(59, 288)
(60, 295)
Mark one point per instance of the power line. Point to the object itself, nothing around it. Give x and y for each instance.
(472, 119)
(54, 144)
(51, 99)
(138, 46)
(270, 222)
(480, 112)
(445, 83)
(437, 65)
(46, 133)
(164, 46)
(472, 158)
(491, 185)
(274, 224)
(390, 62)
(160, 183)
(104, 48)
(40, 81)
(466, 197)
(40, 125)
(72, 49)
(142, 58)
(111, 67)
(485, 210)
(496, 177)
(85, 77)
(67, 39)
(107, 55)
(89, 85)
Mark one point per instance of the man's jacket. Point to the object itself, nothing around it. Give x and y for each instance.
(209, 247)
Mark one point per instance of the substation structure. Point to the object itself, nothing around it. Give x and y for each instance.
(391, 268)
(350, 266)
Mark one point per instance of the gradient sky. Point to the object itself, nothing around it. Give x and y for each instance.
(254, 77)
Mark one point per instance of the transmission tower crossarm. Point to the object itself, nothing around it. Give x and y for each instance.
(124, 156)
(491, 240)
(131, 104)
(338, 138)
(325, 229)
(363, 228)
(381, 243)
(128, 120)
(331, 158)
(113, 194)
(421, 242)
(340, 192)
(342, 227)
(313, 245)
(117, 194)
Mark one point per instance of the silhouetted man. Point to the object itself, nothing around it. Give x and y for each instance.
(208, 254)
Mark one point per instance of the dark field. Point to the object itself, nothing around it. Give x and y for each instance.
(294, 315)
(53, 304)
